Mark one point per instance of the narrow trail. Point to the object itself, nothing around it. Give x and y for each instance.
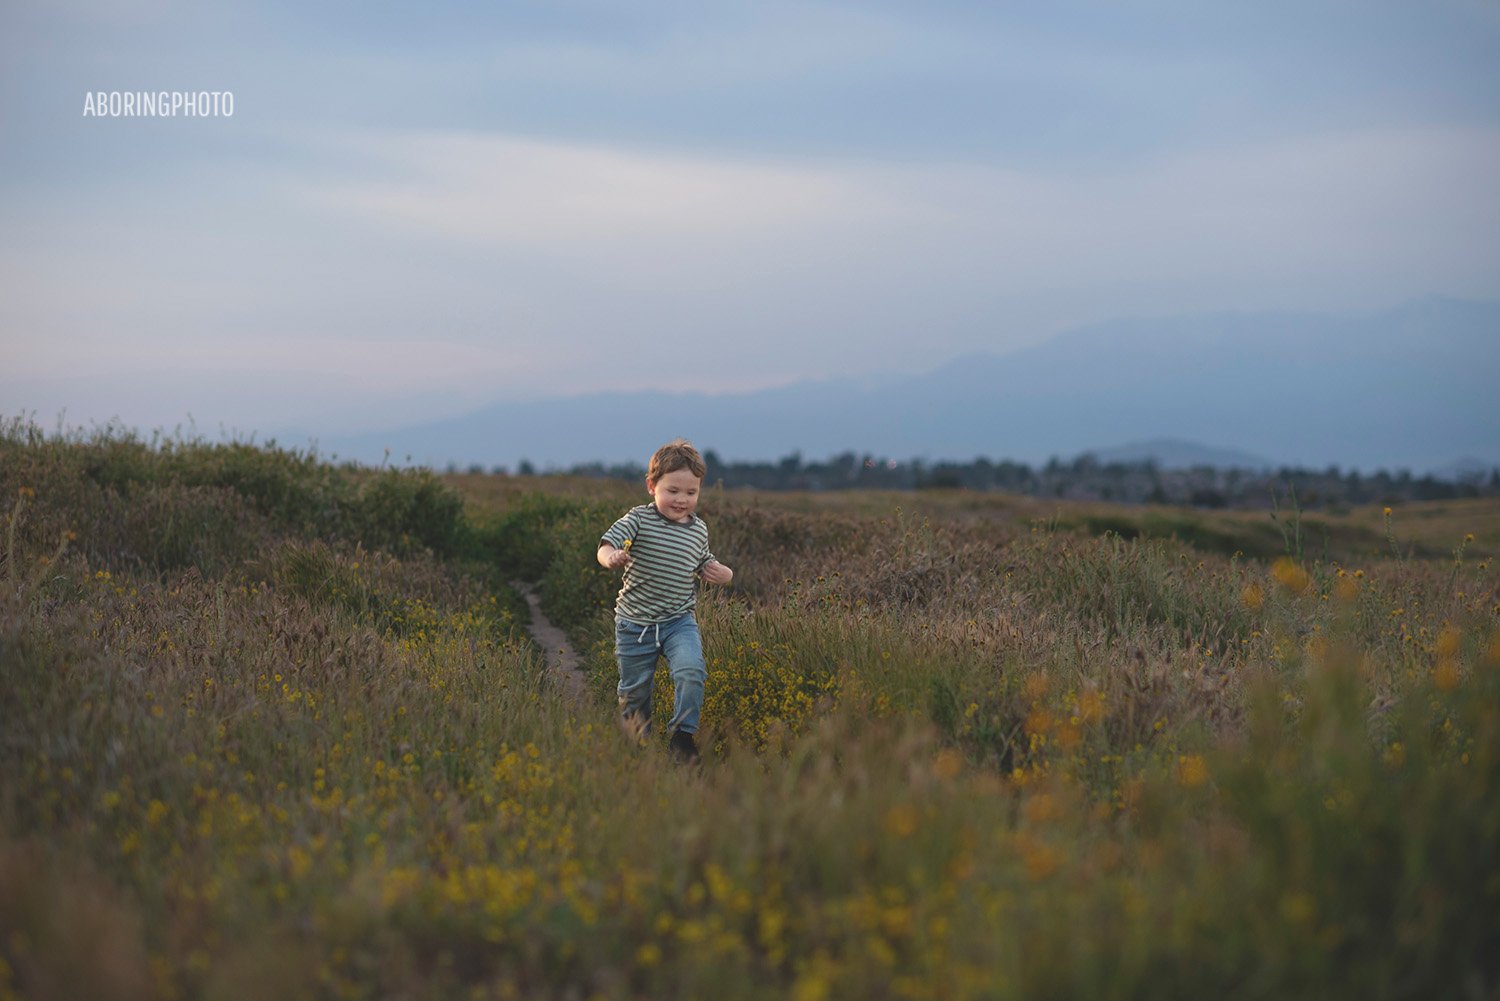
(563, 665)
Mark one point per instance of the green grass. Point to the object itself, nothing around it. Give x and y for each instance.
(271, 729)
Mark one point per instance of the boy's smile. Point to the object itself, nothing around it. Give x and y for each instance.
(676, 494)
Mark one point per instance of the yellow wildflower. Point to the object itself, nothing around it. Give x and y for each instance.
(1445, 676)
(1291, 575)
(901, 820)
(1447, 643)
(1090, 706)
(947, 764)
(1192, 771)
(1252, 597)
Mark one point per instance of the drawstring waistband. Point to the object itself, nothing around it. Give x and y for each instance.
(647, 628)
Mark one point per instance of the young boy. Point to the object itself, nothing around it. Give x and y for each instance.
(662, 546)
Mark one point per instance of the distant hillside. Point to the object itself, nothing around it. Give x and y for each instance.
(1412, 387)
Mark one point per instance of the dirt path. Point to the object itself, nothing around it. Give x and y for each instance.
(562, 660)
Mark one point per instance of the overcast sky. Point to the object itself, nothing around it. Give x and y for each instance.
(418, 209)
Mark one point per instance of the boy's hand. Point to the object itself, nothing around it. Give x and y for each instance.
(717, 573)
(612, 558)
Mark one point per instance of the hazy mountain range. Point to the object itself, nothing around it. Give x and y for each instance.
(1416, 387)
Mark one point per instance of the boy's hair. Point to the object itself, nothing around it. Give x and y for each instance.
(674, 455)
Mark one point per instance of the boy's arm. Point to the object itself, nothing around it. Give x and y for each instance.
(614, 545)
(711, 570)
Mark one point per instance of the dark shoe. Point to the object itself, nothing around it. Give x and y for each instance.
(683, 748)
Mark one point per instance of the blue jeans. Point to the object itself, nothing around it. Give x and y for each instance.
(637, 646)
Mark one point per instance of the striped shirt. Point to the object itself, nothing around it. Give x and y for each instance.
(665, 556)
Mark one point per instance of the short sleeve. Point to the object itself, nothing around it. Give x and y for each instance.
(708, 555)
(622, 531)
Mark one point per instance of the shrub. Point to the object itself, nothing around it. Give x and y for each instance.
(520, 537)
(399, 509)
(173, 526)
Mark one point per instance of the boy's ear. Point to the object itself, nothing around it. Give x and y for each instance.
(650, 486)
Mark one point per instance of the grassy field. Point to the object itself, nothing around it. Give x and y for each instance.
(270, 728)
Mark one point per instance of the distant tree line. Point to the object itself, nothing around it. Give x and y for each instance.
(1083, 478)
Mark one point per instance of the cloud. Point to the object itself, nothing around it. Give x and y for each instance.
(511, 265)
(264, 382)
(522, 190)
(833, 259)
(1364, 192)
(1412, 208)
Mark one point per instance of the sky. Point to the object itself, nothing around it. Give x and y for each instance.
(416, 210)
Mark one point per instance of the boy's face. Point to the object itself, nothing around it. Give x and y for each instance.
(676, 494)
